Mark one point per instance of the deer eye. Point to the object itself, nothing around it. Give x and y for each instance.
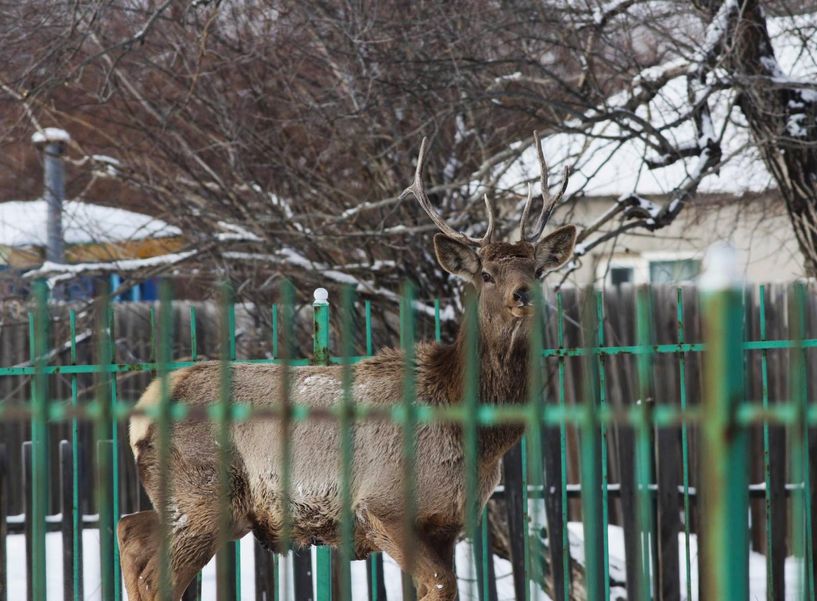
(540, 272)
(487, 277)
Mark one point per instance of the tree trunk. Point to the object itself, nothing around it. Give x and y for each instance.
(781, 117)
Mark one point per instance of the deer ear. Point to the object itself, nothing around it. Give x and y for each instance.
(555, 248)
(455, 257)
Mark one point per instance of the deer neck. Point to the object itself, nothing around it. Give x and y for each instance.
(503, 375)
(503, 365)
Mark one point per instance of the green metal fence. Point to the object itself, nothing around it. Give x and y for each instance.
(723, 420)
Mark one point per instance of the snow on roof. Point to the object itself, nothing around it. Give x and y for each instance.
(23, 223)
(604, 165)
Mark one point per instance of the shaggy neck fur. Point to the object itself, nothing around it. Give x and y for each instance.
(503, 374)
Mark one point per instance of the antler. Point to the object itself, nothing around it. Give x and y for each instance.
(548, 202)
(417, 189)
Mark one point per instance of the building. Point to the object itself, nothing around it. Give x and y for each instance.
(738, 204)
(91, 232)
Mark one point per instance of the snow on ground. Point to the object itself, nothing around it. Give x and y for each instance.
(757, 564)
(90, 545)
(392, 576)
(23, 223)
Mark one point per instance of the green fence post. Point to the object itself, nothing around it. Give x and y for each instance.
(102, 434)
(75, 500)
(320, 351)
(115, 505)
(589, 427)
(724, 528)
(409, 423)
(163, 425)
(643, 458)
(39, 440)
(799, 446)
(346, 423)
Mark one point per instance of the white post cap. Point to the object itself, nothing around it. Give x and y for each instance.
(720, 268)
(321, 296)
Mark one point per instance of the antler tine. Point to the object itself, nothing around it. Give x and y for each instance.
(523, 224)
(417, 189)
(544, 216)
(548, 203)
(489, 233)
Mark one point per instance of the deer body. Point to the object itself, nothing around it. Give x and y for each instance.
(501, 274)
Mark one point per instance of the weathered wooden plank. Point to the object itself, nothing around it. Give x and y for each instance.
(512, 479)
(27, 496)
(302, 574)
(3, 522)
(67, 523)
(265, 576)
(554, 509)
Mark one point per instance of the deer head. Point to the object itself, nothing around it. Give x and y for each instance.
(502, 274)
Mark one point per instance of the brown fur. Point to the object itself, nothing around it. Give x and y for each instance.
(378, 471)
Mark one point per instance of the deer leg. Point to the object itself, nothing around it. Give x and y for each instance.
(138, 543)
(191, 545)
(430, 564)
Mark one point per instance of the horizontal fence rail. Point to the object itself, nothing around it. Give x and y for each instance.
(667, 451)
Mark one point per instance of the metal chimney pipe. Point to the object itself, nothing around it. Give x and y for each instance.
(53, 141)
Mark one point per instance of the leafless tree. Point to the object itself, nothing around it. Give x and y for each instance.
(278, 136)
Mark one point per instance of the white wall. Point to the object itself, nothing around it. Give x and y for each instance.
(758, 227)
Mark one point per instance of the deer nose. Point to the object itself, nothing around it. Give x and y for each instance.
(522, 295)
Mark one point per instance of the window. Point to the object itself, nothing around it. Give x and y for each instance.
(674, 272)
(621, 275)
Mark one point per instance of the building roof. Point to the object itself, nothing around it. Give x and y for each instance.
(23, 223)
(605, 163)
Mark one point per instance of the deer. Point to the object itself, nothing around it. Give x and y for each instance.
(501, 276)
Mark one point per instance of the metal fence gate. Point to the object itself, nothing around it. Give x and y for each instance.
(655, 497)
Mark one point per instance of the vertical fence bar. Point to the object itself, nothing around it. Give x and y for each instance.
(771, 588)
(67, 525)
(275, 331)
(76, 509)
(682, 388)
(560, 334)
(39, 442)
(602, 396)
(347, 426)
(409, 432)
(234, 547)
(226, 576)
(801, 518)
(4, 495)
(643, 449)
(163, 425)
(287, 304)
(369, 349)
(102, 433)
(533, 439)
(320, 356)
(193, 591)
(724, 530)
(115, 505)
(591, 477)
(470, 404)
(374, 565)
(26, 459)
(807, 448)
(194, 338)
(437, 324)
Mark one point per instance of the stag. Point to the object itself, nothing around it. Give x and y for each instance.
(502, 276)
